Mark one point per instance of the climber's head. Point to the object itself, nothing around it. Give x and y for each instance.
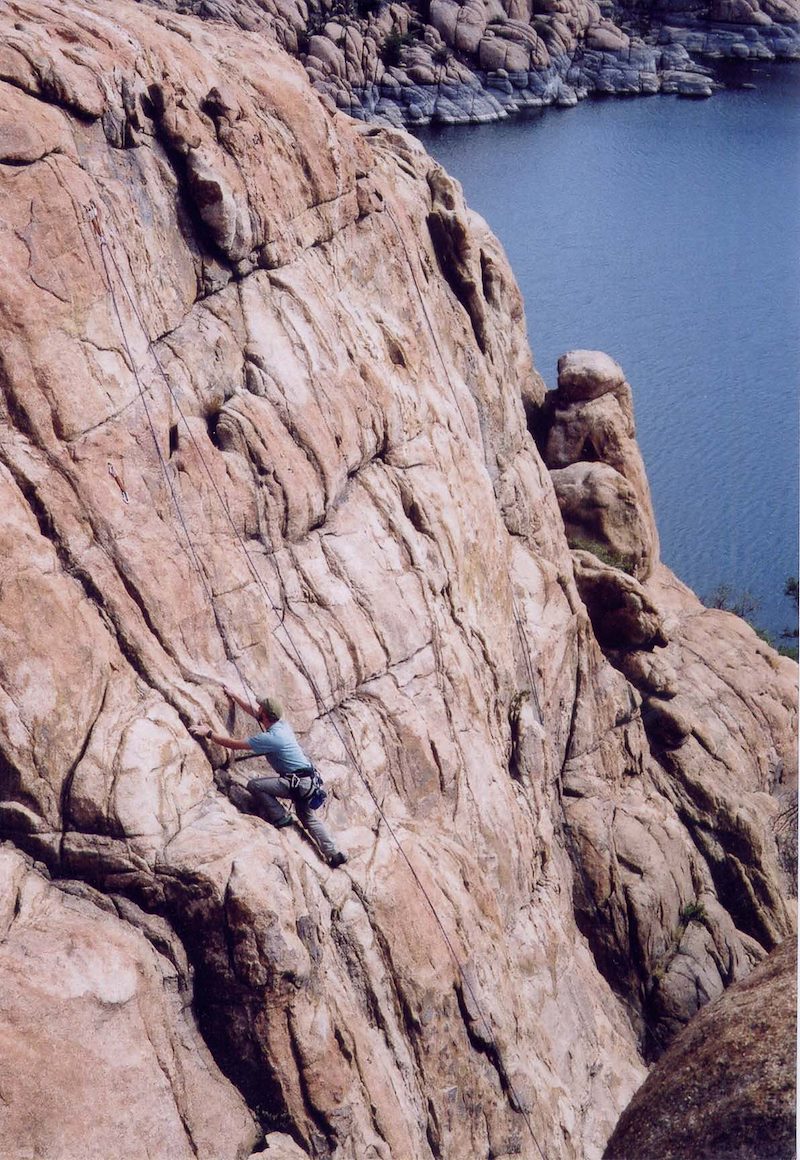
(270, 710)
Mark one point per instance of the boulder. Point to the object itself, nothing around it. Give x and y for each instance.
(323, 52)
(649, 672)
(499, 53)
(623, 616)
(600, 508)
(607, 37)
(461, 26)
(666, 723)
(782, 11)
(727, 1086)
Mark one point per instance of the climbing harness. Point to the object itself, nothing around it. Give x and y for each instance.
(109, 262)
(314, 795)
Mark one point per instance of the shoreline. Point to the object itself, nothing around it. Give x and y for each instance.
(640, 310)
(686, 61)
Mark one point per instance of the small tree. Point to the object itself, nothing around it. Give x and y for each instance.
(742, 604)
(785, 830)
(791, 590)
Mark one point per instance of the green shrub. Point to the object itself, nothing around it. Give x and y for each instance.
(693, 912)
(393, 45)
(744, 604)
(604, 554)
(314, 26)
(792, 590)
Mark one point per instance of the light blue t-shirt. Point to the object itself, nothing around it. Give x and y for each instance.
(281, 749)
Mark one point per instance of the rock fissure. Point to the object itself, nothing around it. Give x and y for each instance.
(66, 787)
(73, 570)
(70, 563)
(170, 1080)
(480, 1036)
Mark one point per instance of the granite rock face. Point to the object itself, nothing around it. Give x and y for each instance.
(728, 1085)
(622, 613)
(264, 394)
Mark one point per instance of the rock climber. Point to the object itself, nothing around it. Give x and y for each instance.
(295, 773)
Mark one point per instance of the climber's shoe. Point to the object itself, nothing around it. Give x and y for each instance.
(337, 860)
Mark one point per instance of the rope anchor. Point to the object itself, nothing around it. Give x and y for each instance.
(115, 476)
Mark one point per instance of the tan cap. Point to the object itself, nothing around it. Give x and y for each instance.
(272, 707)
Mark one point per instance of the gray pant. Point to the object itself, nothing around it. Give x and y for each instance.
(266, 791)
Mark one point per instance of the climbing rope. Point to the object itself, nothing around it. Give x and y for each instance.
(104, 251)
(109, 261)
(445, 367)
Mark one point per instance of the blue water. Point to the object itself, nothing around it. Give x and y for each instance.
(667, 232)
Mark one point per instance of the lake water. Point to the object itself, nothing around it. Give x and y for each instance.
(667, 233)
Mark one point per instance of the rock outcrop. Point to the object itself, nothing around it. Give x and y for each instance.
(622, 613)
(264, 392)
(588, 441)
(728, 1085)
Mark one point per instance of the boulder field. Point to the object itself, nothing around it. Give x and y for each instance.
(410, 62)
(268, 416)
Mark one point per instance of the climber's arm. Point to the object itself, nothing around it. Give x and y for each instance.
(220, 738)
(247, 706)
